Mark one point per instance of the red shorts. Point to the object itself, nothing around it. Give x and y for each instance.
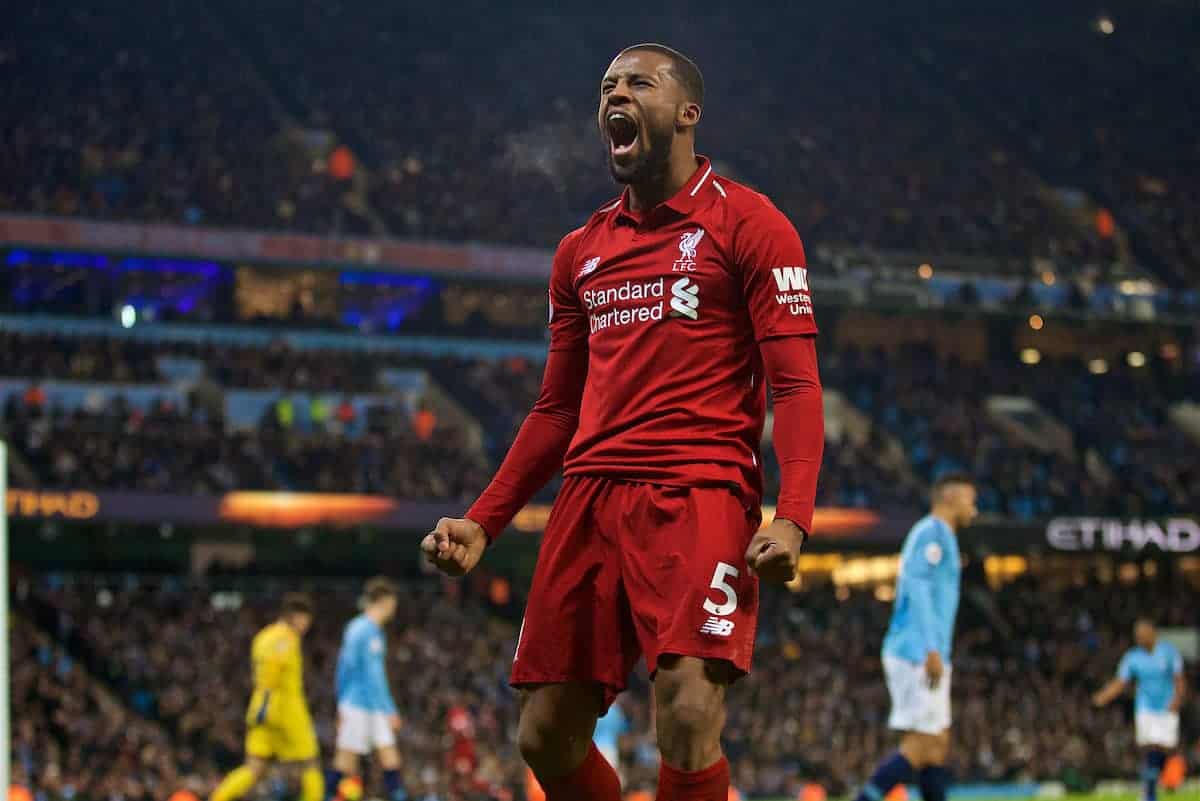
(629, 569)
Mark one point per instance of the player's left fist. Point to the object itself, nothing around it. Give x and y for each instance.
(775, 550)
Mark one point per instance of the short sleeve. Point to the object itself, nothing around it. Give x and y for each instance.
(568, 322)
(1176, 663)
(926, 555)
(774, 271)
(1125, 669)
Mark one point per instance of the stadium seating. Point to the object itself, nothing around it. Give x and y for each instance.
(107, 116)
(1121, 454)
(144, 137)
(174, 651)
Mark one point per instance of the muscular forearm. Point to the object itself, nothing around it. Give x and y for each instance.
(538, 451)
(791, 364)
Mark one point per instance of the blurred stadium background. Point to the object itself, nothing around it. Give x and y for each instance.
(272, 294)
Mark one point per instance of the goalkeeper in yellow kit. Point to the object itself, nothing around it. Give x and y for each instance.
(278, 726)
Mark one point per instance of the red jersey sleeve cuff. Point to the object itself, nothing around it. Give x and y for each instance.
(492, 521)
(799, 514)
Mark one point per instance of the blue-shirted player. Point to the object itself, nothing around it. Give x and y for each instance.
(1156, 666)
(916, 649)
(607, 736)
(367, 716)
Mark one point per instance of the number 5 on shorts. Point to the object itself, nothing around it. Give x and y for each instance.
(718, 583)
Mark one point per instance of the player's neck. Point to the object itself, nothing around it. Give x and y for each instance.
(664, 186)
(940, 514)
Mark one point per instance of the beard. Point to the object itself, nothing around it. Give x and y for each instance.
(651, 164)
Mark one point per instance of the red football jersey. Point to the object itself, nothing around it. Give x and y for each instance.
(670, 306)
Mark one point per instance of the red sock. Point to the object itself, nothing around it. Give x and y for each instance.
(710, 784)
(594, 780)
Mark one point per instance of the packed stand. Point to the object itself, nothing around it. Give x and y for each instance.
(146, 111)
(273, 366)
(1100, 96)
(938, 182)
(936, 408)
(813, 709)
(170, 448)
(926, 415)
(177, 653)
(73, 738)
(165, 141)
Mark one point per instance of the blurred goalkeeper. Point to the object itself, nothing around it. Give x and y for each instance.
(367, 716)
(279, 727)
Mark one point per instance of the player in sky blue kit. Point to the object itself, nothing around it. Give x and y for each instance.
(917, 646)
(367, 716)
(610, 727)
(1157, 668)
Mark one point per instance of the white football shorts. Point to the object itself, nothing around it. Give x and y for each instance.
(915, 706)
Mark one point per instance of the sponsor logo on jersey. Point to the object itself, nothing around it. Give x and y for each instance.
(790, 279)
(718, 627)
(589, 267)
(598, 302)
(793, 289)
(688, 242)
(685, 299)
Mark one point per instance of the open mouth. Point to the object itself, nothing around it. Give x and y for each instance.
(622, 133)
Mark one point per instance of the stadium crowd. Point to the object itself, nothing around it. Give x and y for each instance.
(111, 121)
(1086, 94)
(169, 667)
(106, 116)
(925, 414)
(72, 737)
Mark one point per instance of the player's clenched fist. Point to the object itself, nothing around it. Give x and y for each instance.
(455, 545)
(775, 550)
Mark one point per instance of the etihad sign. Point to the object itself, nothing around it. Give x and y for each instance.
(1175, 535)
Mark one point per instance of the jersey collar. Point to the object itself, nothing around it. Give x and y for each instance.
(685, 202)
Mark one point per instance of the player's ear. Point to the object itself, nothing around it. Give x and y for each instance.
(688, 115)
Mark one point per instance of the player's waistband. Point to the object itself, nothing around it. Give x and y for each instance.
(749, 498)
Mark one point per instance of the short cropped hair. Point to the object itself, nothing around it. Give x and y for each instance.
(948, 480)
(379, 587)
(685, 70)
(297, 603)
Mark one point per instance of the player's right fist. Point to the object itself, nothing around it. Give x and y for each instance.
(455, 545)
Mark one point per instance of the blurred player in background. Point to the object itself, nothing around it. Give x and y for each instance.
(917, 646)
(670, 310)
(367, 716)
(610, 728)
(1156, 666)
(279, 726)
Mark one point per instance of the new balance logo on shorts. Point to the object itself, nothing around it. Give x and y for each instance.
(717, 626)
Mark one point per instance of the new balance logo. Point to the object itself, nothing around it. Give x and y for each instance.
(717, 626)
(589, 267)
(685, 299)
(790, 279)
